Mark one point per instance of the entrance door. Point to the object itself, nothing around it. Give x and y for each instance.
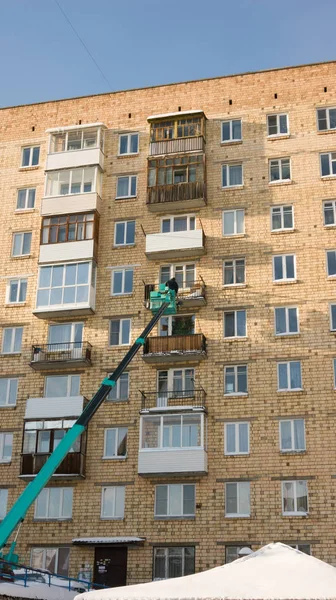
(110, 566)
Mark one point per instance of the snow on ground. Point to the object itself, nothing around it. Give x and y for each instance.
(38, 591)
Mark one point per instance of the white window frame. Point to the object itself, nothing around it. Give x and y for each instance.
(123, 277)
(93, 188)
(61, 516)
(331, 319)
(128, 153)
(161, 446)
(69, 383)
(278, 115)
(332, 276)
(44, 550)
(235, 370)
(26, 207)
(113, 517)
(330, 175)
(284, 268)
(82, 131)
(3, 436)
(125, 233)
(334, 368)
(238, 514)
(168, 514)
(237, 548)
(31, 148)
(170, 322)
(172, 271)
(279, 161)
(237, 451)
(227, 166)
(235, 211)
(287, 332)
(282, 207)
(117, 388)
(9, 381)
(292, 449)
(333, 206)
(295, 512)
(22, 233)
(170, 376)
(235, 337)
(115, 456)
(19, 281)
(90, 284)
(234, 269)
(232, 139)
(4, 500)
(327, 109)
(129, 195)
(171, 218)
(166, 557)
(14, 329)
(120, 333)
(288, 363)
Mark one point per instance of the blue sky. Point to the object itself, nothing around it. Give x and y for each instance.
(139, 43)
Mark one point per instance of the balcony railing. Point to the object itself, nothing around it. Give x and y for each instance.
(55, 355)
(176, 345)
(176, 146)
(72, 464)
(179, 192)
(192, 294)
(173, 399)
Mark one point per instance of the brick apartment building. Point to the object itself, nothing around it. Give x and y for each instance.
(222, 432)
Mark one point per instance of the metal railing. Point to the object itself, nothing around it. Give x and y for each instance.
(72, 464)
(171, 398)
(191, 290)
(193, 343)
(178, 192)
(65, 351)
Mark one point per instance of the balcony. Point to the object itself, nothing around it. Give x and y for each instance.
(68, 355)
(172, 400)
(70, 237)
(73, 465)
(175, 348)
(77, 146)
(186, 195)
(175, 245)
(193, 296)
(75, 190)
(174, 133)
(174, 443)
(72, 203)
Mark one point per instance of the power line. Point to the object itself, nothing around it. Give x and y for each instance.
(83, 43)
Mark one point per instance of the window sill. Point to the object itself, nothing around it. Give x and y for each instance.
(118, 346)
(125, 197)
(293, 391)
(285, 281)
(234, 235)
(234, 285)
(112, 518)
(278, 136)
(327, 177)
(21, 256)
(237, 454)
(29, 168)
(236, 338)
(128, 295)
(231, 142)
(116, 246)
(176, 518)
(46, 520)
(281, 182)
(128, 155)
(292, 452)
(117, 401)
(237, 516)
(122, 458)
(19, 211)
(10, 353)
(293, 514)
(324, 131)
(279, 231)
(233, 187)
(14, 304)
(5, 462)
(7, 406)
(236, 395)
(286, 335)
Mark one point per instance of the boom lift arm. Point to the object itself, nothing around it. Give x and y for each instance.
(161, 302)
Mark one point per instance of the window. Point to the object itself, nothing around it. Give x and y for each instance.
(232, 131)
(16, 291)
(171, 431)
(174, 562)
(42, 437)
(30, 156)
(176, 224)
(70, 228)
(277, 125)
(8, 391)
(21, 244)
(334, 364)
(331, 263)
(286, 321)
(62, 386)
(326, 119)
(235, 323)
(282, 218)
(54, 503)
(72, 181)
(185, 274)
(79, 139)
(235, 380)
(232, 175)
(333, 317)
(64, 284)
(113, 502)
(284, 267)
(25, 199)
(12, 340)
(120, 391)
(279, 170)
(124, 233)
(3, 503)
(6, 444)
(122, 282)
(232, 553)
(115, 443)
(66, 336)
(233, 221)
(176, 128)
(175, 500)
(289, 376)
(173, 171)
(328, 164)
(120, 332)
(54, 560)
(175, 383)
(237, 438)
(234, 271)
(329, 211)
(305, 548)
(129, 143)
(126, 186)
(237, 499)
(292, 435)
(177, 325)
(294, 498)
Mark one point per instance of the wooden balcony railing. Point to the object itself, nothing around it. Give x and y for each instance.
(72, 464)
(193, 343)
(175, 146)
(179, 192)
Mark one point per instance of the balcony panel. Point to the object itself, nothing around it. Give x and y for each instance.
(177, 146)
(70, 204)
(177, 461)
(175, 348)
(193, 296)
(73, 465)
(175, 245)
(173, 400)
(50, 253)
(50, 312)
(75, 158)
(54, 408)
(182, 196)
(47, 357)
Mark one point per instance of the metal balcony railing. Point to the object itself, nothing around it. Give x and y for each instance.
(193, 343)
(171, 398)
(72, 464)
(65, 351)
(178, 192)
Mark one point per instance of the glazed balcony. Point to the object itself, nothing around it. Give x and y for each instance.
(163, 198)
(70, 191)
(77, 146)
(177, 132)
(69, 237)
(191, 295)
(66, 355)
(73, 465)
(175, 244)
(175, 348)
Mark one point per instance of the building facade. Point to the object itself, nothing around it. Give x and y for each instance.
(221, 433)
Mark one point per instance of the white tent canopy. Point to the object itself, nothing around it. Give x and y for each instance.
(275, 572)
